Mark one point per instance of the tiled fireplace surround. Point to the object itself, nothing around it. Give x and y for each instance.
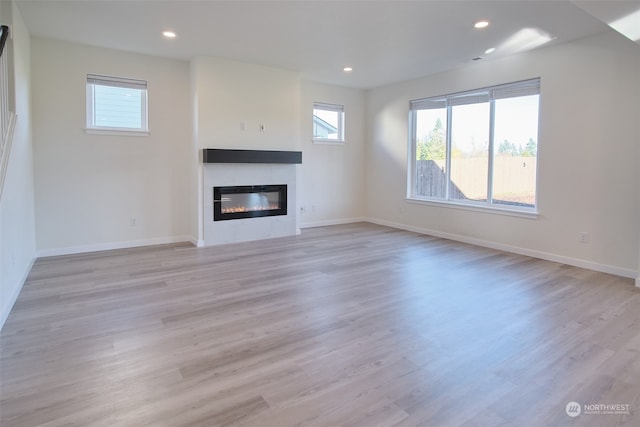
(249, 167)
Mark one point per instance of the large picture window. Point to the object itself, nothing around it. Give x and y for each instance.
(477, 148)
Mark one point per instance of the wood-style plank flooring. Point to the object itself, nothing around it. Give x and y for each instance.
(352, 325)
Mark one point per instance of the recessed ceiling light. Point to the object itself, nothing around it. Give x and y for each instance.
(490, 51)
(483, 23)
(347, 69)
(169, 34)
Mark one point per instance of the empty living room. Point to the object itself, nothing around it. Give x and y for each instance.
(319, 213)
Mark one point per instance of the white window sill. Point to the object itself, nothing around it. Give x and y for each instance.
(117, 132)
(520, 213)
(328, 141)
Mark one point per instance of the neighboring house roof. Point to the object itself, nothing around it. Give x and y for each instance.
(318, 122)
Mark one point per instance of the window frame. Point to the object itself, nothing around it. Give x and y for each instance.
(487, 94)
(93, 80)
(341, 123)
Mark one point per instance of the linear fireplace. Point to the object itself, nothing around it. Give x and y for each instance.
(269, 176)
(249, 201)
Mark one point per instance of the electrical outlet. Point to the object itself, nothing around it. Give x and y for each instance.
(262, 127)
(302, 210)
(133, 222)
(584, 237)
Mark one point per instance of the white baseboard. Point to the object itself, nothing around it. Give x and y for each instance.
(4, 314)
(332, 222)
(191, 240)
(113, 245)
(603, 268)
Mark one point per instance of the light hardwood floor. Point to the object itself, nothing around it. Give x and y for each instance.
(356, 325)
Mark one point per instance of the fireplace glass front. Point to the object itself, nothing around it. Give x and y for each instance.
(249, 201)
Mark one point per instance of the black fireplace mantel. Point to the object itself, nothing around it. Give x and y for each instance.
(220, 155)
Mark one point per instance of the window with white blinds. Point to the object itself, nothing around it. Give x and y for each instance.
(477, 148)
(116, 104)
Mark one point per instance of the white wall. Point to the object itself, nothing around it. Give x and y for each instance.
(88, 187)
(17, 224)
(230, 93)
(230, 101)
(332, 176)
(588, 155)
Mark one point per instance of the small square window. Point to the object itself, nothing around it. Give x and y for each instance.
(328, 123)
(116, 104)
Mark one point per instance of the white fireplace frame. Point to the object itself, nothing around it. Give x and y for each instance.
(248, 229)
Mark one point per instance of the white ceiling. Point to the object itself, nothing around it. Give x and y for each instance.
(622, 16)
(384, 41)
